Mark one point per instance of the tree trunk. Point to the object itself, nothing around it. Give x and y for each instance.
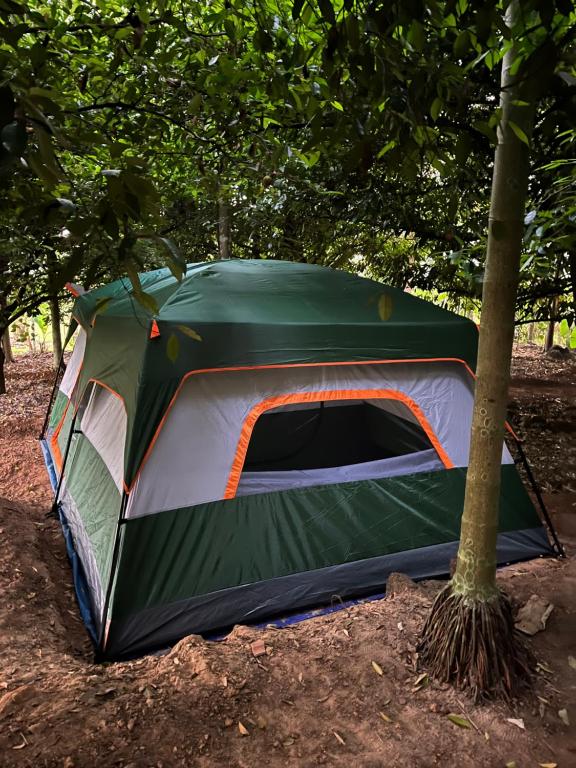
(56, 330)
(7, 346)
(2, 376)
(224, 229)
(572, 266)
(469, 635)
(549, 341)
(531, 330)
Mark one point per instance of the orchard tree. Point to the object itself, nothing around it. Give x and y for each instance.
(411, 86)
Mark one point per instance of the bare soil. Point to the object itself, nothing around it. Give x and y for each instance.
(316, 696)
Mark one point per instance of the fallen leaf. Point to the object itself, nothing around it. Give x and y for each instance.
(572, 662)
(377, 668)
(462, 722)
(518, 722)
(338, 737)
(243, 730)
(258, 648)
(548, 765)
(533, 615)
(421, 678)
(511, 764)
(400, 626)
(385, 717)
(563, 715)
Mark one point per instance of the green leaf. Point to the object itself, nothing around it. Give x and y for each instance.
(45, 173)
(462, 149)
(460, 721)
(195, 103)
(416, 35)
(147, 301)
(173, 348)
(519, 132)
(573, 346)
(337, 105)
(385, 307)
(462, 44)
(189, 332)
(436, 108)
(176, 263)
(102, 304)
(386, 148)
(564, 328)
(483, 127)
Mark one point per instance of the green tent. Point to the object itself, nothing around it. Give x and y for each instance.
(274, 434)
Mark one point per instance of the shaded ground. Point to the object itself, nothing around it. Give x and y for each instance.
(314, 698)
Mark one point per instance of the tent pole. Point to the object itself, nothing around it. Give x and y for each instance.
(57, 380)
(98, 655)
(54, 508)
(546, 515)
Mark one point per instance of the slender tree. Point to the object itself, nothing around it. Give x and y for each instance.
(469, 636)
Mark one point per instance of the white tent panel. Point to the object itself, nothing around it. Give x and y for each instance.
(74, 365)
(191, 460)
(104, 425)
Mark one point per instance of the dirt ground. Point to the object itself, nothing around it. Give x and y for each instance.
(337, 690)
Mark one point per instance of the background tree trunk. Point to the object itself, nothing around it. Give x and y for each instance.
(56, 330)
(572, 265)
(7, 346)
(549, 340)
(2, 377)
(224, 229)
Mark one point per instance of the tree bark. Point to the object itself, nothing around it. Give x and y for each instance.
(56, 330)
(549, 341)
(7, 346)
(2, 375)
(572, 266)
(224, 229)
(475, 576)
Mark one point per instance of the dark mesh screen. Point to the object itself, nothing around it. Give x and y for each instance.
(330, 436)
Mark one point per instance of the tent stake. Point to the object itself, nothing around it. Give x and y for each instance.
(536, 489)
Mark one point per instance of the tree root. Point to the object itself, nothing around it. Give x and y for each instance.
(473, 645)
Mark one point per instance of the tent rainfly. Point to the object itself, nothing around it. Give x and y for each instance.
(274, 435)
